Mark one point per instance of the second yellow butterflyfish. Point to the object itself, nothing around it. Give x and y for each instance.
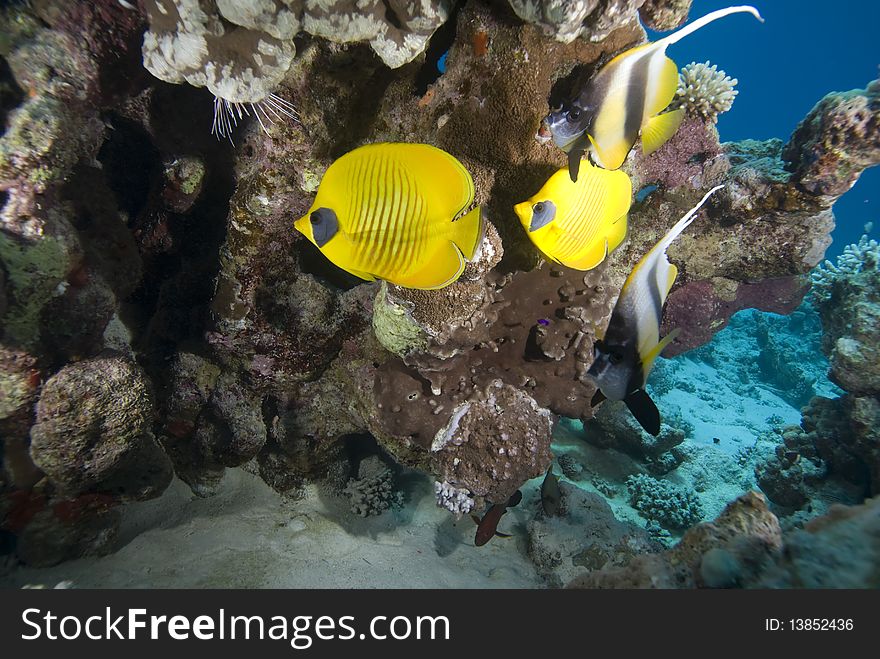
(578, 223)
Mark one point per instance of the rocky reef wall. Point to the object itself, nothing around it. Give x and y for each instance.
(159, 311)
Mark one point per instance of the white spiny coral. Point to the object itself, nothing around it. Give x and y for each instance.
(705, 91)
(455, 500)
(858, 257)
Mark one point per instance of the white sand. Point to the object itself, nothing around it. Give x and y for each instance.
(248, 536)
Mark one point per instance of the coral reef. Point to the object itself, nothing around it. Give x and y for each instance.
(847, 296)
(455, 500)
(746, 531)
(107, 445)
(260, 352)
(595, 20)
(705, 91)
(373, 491)
(241, 51)
(838, 139)
(745, 547)
(660, 501)
(837, 550)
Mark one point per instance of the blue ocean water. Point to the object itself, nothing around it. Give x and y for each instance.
(801, 52)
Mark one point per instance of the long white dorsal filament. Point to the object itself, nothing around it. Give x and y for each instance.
(693, 26)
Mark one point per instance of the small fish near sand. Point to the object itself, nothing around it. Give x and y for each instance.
(578, 224)
(396, 212)
(626, 99)
(487, 527)
(551, 495)
(626, 353)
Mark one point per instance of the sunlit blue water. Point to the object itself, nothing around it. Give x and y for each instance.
(802, 51)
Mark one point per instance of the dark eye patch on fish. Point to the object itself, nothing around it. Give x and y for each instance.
(325, 225)
(543, 213)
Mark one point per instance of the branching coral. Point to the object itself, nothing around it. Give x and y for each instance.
(456, 500)
(859, 257)
(705, 91)
(373, 491)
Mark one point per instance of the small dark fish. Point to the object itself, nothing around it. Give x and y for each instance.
(486, 527)
(551, 495)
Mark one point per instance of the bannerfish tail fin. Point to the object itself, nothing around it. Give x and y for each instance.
(693, 26)
(468, 232)
(598, 397)
(644, 410)
(648, 360)
(660, 129)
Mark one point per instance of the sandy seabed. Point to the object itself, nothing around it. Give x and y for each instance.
(248, 536)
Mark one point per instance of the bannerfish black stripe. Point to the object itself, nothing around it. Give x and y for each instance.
(637, 87)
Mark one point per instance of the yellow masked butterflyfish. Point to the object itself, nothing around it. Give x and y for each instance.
(392, 211)
(578, 223)
(624, 100)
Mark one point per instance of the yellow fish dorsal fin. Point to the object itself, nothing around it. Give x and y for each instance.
(662, 87)
(648, 360)
(659, 129)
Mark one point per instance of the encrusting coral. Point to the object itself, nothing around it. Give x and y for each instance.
(659, 501)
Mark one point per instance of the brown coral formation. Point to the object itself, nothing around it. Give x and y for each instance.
(259, 351)
(746, 531)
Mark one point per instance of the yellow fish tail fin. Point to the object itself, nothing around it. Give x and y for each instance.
(648, 360)
(659, 129)
(468, 232)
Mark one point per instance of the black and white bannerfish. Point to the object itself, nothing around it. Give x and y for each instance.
(624, 100)
(625, 355)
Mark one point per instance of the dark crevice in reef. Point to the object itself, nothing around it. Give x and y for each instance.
(440, 43)
(361, 446)
(567, 87)
(178, 251)
(11, 95)
(391, 15)
(131, 163)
